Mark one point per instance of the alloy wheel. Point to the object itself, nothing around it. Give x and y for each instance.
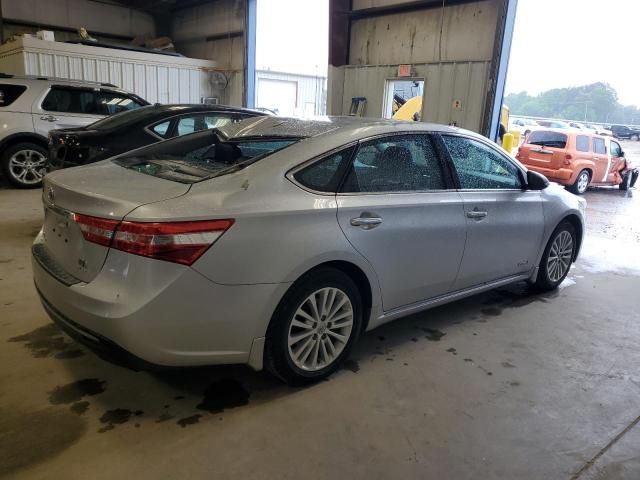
(320, 329)
(560, 256)
(583, 182)
(28, 167)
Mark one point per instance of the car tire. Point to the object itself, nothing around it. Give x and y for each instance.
(557, 257)
(582, 183)
(315, 345)
(25, 164)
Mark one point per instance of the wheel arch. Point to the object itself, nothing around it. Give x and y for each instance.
(16, 138)
(574, 220)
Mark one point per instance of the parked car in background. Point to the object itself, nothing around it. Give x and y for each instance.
(277, 241)
(602, 130)
(626, 133)
(523, 125)
(129, 130)
(31, 106)
(577, 159)
(553, 124)
(583, 126)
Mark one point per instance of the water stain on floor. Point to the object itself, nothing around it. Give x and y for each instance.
(79, 408)
(48, 341)
(222, 395)
(433, 335)
(117, 416)
(74, 392)
(31, 437)
(186, 421)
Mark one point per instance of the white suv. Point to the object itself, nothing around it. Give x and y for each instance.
(31, 106)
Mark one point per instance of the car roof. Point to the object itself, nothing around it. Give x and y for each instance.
(344, 126)
(200, 107)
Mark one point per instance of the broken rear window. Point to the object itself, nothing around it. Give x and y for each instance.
(200, 156)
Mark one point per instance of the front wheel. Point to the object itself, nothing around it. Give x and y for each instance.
(25, 164)
(314, 327)
(581, 183)
(557, 257)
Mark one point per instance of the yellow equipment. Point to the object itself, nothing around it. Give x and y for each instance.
(410, 111)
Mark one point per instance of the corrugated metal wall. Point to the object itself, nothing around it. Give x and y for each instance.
(311, 90)
(152, 82)
(445, 83)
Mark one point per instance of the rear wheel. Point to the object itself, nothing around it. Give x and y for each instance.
(635, 137)
(557, 257)
(581, 183)
(314, 327)
(25, 164)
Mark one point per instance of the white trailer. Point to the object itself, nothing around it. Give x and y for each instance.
(155, 77)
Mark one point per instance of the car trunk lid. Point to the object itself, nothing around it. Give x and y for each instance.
(104, 190)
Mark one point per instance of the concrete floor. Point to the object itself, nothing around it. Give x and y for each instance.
(505, 385)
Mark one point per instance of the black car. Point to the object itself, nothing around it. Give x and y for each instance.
(621, 131)
(125, 131)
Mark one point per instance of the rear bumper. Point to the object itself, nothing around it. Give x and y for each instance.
(560, 175)
(143, 313)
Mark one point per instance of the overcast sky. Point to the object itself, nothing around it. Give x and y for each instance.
(292, 36)
(563, 43)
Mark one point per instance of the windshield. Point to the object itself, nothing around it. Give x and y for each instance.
(201, 156)
(120, 119)
(548, 139)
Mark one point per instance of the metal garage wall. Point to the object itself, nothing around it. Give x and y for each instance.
(452, 48)
(215, 31)
(156, 78)
(445, 83)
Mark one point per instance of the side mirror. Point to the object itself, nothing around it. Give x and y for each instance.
(536, 181)
(621, 154)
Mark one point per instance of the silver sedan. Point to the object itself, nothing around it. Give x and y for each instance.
(277, 242)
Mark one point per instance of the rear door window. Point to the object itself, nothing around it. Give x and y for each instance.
(72, 100)
(195, 123)
(324, 175)
(399, 163)
(548, 139)
(582, 143)
(599, 146)
(10, 93)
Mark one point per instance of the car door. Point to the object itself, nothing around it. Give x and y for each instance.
(66, 107)
(601, 159)
(398, 210)
(617, 162)
(505, 223)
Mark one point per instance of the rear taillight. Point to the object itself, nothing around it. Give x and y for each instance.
(179, 242)
(96, 230)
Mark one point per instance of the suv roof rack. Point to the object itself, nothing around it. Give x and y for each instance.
(6, 75)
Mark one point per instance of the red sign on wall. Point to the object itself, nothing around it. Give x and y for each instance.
(404, 70)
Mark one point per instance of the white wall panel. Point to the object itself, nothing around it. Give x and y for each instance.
(157, 78)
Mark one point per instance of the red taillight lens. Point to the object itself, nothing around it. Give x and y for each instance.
(179, 242)
(96, 230)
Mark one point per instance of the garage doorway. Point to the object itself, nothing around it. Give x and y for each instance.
(279, 96)
(398, 91)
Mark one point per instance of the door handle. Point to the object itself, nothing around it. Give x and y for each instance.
(366, 222)
(477, 214)
(48, 118)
